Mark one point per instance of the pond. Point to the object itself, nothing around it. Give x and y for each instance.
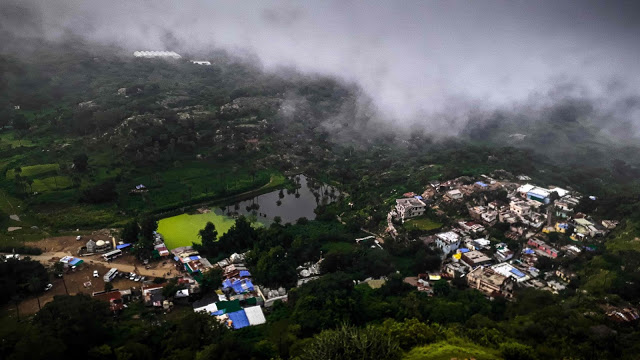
(287, 204)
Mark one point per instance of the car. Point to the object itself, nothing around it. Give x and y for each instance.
(132, 277)
(48, 287)
(78, 238)
(95, 273)
(137, 278)
(143, 278)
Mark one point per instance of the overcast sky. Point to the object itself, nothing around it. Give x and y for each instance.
(414, 58)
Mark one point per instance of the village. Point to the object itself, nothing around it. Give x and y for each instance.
(540, 223)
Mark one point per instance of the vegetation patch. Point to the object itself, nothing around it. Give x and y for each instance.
(445, 350)
(422, 223)
(34, 170)
(52, 183)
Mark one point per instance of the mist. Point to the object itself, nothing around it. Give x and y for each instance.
(434, 65)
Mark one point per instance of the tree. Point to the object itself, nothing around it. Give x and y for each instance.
(208, 237)
(349, 342)
(147, 227)
(81, 162)
(274, 268)
(79, 321)
(108, 286)
(130, 232)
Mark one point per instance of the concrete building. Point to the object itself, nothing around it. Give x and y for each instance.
(410, 207)
(475, 258)
(448, 242)
(490, 282)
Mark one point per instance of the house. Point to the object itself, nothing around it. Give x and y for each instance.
(454, 195)
(510, 271)
(543, 247)
(503, 253)
(410, 207)
(508, 217)
(490, 217)
(475, 258)
(447, 242)
(455, 269)
(471, 227)
(152, 295)
(532, 192)
(114, 298)
(520, 208)
(490, 282)
(476, 212)
(566, 275)
(477, 244)
(561, 227)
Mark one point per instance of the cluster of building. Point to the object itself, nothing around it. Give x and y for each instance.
(529, 212)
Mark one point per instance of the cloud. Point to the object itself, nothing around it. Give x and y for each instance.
(421, 62)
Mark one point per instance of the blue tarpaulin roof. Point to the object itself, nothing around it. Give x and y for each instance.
(481, 183)
(219, 312)
(528, 251)
(239, 319)
(75, 262)
(123, 246)
(176, 258)
(517, 273)
(249, 284)
(244, 273)
(226, 283)
(464, 250)
(196, 257)
(418, 197)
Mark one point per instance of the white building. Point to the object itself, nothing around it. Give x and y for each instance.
(410, 207)
(201, 62)
(157, 54)
(448, 242)
(509, 271)
(454, 194)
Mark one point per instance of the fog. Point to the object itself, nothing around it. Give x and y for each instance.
(422, 63)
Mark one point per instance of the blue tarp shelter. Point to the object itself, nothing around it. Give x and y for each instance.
(244, 273)
(226, 283)
(123, 246)
(238, 319)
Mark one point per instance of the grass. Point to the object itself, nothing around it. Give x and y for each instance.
(194, 182)
(627, 237)
(182, 230)
(34, 170)
(9, 138)
(445, 350)
(421, 223)
(51, 184)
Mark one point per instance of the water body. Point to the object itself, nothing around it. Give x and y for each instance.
(289, 205)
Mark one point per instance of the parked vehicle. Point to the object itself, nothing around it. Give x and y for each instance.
(95, 273)
(48, 287)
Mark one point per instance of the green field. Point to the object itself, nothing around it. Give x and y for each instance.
(421, 223)
(34, 170)
(182, 230)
